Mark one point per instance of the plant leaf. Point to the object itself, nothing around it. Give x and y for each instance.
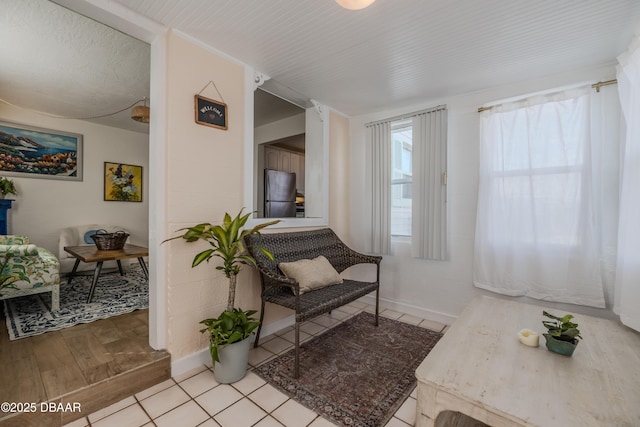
(566, 318)
(202, 256)
(549, 315)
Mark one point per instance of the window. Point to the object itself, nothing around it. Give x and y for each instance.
(539, 229)
(407, 188)
(401, 178)
(539, 170)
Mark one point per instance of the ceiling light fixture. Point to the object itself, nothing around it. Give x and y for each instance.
(354, 4)
(140, 113)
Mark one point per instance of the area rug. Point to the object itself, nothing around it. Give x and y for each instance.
(114, 294)
(355, 374)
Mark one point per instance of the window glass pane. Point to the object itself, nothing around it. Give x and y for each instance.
(537, 164)
(401, 210)
(523, 202)
(401, 179)
(556, 144)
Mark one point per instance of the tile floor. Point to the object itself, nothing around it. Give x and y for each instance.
(196, 399)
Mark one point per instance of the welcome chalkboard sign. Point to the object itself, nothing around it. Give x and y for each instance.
(210, 112)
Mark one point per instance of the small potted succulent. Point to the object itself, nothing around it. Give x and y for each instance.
(562, 335)
(7, 187)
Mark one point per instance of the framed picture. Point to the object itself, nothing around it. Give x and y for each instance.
(122, 183)
(33, 152)
(210, 112)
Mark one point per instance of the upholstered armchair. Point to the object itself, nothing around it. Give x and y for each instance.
(27, 269)
(80, 235)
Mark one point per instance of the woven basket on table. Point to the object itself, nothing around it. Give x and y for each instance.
(109, 241)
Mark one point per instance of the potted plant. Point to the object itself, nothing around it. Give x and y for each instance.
(563, 334)
(229, 333)
(7, 187)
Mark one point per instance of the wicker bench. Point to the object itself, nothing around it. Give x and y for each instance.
(281, 290)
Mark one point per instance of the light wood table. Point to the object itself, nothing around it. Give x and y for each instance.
(480, 369)
(92, 254)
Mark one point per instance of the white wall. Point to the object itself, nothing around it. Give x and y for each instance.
(284, 128)
(204, 179)
(440, 290)
(44, 206)
(339, 215)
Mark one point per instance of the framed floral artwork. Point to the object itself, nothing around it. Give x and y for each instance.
(122, 182)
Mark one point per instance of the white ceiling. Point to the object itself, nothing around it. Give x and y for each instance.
(394, 53)
(58, 62)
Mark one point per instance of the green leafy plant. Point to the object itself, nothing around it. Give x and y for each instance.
(227, 244)
(562, 328)
(7, 187)
(229, 327)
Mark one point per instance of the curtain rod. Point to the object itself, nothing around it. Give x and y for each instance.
(595, 86)
(406, 116)
(598, 85)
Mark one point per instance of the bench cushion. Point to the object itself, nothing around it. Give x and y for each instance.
(311, 273)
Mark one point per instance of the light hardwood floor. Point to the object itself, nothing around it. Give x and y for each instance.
(94, 364)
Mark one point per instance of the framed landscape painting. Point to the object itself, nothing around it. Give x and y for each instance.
(122, 183)
(33, 152)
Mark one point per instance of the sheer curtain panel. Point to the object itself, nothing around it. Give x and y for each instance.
(379, 139)
(429, 228)
(535, 231)
(628, 265)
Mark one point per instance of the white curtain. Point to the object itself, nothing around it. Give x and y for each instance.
(606, 120)
(628, 265)
(429, 226)
(379, 139)
(535, 229)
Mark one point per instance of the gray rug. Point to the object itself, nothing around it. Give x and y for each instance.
(355, 374)
(31, 315)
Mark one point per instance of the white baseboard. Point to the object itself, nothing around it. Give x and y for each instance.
(203, 357)
(413, 310)
(191, 362)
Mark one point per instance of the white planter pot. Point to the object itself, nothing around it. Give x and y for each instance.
(233, 362)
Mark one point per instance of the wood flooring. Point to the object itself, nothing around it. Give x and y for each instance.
(94, 364)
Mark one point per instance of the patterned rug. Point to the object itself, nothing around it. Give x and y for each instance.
(114, 294)
(355, 374)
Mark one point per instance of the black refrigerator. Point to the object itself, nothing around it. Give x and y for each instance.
(279, 194)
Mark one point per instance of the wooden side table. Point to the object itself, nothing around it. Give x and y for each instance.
(92, 254)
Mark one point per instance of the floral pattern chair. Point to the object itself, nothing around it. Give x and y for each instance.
(27, 269)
